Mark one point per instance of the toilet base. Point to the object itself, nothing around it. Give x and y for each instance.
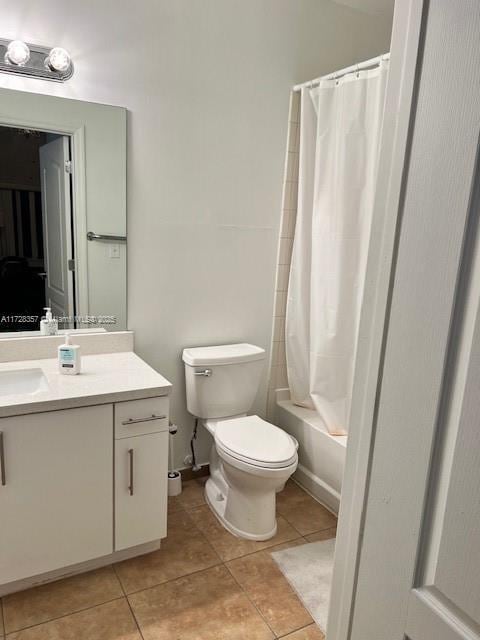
(216, 496)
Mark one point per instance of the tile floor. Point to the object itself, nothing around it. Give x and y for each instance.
(203, 584)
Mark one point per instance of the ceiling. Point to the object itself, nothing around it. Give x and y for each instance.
(370, 6)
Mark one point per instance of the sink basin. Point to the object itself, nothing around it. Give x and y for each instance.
(18, 381)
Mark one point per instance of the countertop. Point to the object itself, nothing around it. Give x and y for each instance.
(105, 378)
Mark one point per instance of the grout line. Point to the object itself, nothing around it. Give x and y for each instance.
(249, 553)
(251, 600)
(65, 615)
(165, 582)
(268, 550)
(128, 601)
(135, 618)
(310, 533)
(185, 575)
(310, 624)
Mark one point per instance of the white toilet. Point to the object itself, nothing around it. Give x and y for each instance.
(250, 459)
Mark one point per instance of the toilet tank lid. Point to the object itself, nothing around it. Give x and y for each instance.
(222, 354)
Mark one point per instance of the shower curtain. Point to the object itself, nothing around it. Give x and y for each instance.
(340, 126)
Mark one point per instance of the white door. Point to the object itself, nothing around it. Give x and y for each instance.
(419, 569)
(57, 235)
(56, 493)
(141, 464)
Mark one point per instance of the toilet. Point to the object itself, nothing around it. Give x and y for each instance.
(250, 459)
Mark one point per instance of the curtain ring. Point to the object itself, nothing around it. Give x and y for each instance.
(358, 71)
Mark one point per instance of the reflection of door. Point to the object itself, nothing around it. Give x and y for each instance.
(57, 238)
(419, 570)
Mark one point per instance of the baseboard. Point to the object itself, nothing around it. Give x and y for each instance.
(319, 490)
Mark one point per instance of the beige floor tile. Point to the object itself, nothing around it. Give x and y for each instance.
(302, 511)
(193, 493)
(184, 551)
(269, 590)
(312, 632)
(28, 608)
(326, 534)
(174, 505)
(228, 546)
(111, 621)
(205, 606)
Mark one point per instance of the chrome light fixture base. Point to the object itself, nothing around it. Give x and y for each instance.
(37, 66)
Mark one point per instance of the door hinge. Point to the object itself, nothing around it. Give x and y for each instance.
(68, 166)
(71, 265)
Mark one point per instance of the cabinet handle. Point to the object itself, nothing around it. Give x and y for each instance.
(135, 420)
(2, 461)
(130, 459)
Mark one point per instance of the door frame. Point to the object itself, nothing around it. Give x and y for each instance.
(394, 151)
(69, 221)
(78, 197)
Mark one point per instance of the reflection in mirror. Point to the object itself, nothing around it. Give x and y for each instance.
(36, 231)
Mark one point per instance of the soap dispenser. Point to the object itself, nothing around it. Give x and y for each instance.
(48, 324)
(69, 358)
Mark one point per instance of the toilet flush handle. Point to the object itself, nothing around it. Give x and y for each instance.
(206, 372)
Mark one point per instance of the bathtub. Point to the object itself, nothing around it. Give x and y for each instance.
(321, 456)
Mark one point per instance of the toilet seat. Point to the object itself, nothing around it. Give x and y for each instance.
(255, 442)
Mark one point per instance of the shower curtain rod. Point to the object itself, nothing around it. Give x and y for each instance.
(367, 64)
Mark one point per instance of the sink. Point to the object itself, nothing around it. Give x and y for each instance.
(18, 381)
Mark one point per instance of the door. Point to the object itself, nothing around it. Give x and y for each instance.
(419, 567)
(57, 233)
(56, 494)
(141, 464)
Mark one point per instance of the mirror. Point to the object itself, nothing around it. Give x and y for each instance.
(62, 214)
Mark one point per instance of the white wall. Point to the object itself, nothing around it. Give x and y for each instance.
(206, 83)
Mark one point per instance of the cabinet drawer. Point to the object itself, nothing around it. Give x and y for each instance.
(140, 417)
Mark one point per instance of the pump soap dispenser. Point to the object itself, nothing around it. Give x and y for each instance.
(69, 357)
(48, 324)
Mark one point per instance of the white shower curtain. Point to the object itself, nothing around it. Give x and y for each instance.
(340, 126)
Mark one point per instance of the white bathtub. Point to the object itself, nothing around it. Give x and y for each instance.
(321, 455)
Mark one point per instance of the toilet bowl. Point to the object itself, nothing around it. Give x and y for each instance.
(250, 459)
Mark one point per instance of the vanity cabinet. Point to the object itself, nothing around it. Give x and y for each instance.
(141, 463)
(56, 503)
(140, 489)
(80, 485)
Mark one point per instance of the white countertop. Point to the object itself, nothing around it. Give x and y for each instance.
(106, 377)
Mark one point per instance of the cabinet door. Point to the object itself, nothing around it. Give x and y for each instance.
(141, 467)
(56, 497)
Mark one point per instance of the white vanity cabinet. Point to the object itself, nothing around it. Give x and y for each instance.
(141, 463)
(79, 486)
(56, 490)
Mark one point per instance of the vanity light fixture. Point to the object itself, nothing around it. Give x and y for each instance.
(17, 53)
(58, 60)
(34, 61)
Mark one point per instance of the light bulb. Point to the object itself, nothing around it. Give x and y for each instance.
(58, 60)
(17, 53)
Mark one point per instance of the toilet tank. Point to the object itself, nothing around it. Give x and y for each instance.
(222, 381)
